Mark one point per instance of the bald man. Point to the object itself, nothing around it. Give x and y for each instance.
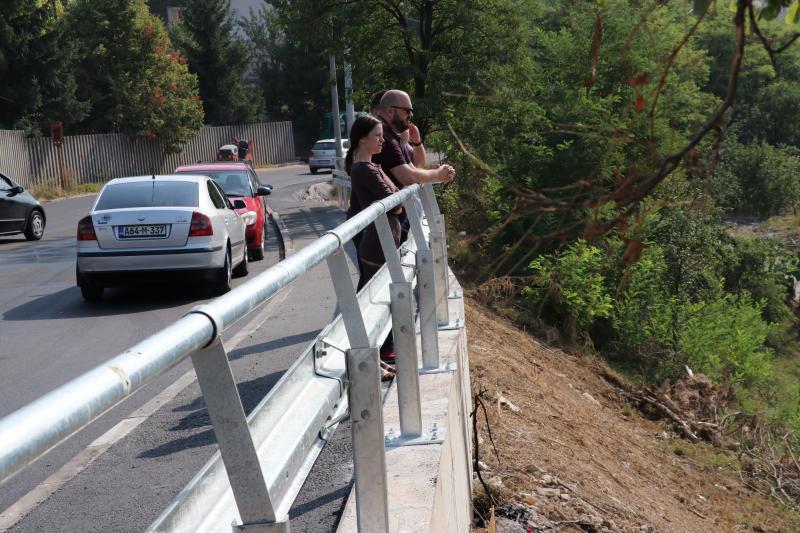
(395, 113)
(411, 139)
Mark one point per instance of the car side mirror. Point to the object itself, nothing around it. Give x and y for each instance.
(264, 190)
(239, 204)
(17, 190)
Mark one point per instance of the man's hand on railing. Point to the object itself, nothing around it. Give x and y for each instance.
(446, 173)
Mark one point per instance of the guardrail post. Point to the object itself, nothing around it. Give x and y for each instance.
(403, 333)
(405, 345)
(235, 441)
(438, 245)
(369, 455)
(364, 396)
(341, 182)
(428, 200)
(429, 332)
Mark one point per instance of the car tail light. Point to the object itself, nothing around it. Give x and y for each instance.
(201, 225)
(86, 229)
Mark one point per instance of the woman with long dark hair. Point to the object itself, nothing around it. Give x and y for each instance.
(369, 184)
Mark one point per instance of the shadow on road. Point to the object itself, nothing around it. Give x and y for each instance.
(273, 344)
(68, 303)
(56, 250)
(312, 223)
(251, 393)
(339, 495)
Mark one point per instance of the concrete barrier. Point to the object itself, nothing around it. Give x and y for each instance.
(429, 482)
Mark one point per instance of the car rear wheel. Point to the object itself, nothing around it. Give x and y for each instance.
(313, 169)
(241, 269)
(224, 275)
(35, 227)
(91, 292)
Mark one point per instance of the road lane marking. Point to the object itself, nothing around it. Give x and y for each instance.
(82, 460)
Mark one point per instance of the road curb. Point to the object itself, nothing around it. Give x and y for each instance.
(285, 243)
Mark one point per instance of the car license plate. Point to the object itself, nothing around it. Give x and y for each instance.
(144, 230)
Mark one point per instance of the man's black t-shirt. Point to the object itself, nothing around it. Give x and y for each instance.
(392, 154)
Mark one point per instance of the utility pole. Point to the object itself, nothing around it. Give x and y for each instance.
(348, 96)
(337, 130)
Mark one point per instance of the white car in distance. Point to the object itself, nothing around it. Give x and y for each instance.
(323, 154)
(160, 228)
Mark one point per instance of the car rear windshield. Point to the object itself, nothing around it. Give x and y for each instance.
(324, 146)
(232, 182)
(149, 194)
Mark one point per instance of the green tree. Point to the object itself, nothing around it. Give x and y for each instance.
(294, 83)
(575, 127)
(424, 47)
(758, 178)
(36, 82)
(220, 59)
(724, 338)
(126, 68)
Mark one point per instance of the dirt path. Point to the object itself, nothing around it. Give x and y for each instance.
(575, 457)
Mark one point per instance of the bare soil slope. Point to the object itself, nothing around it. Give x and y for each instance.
(573, 456)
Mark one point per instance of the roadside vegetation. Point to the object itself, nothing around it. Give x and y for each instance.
(564, 219)
(47, 193)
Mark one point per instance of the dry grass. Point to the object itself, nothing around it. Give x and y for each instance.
(582, 458)
(51, 193)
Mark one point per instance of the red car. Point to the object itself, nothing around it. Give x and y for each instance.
(239, 181)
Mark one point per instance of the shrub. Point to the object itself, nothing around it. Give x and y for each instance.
(758, 178)
(764, 268)
(724, 339)
(642, 319)
(568, 285)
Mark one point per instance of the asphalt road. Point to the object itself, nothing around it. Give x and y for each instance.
(49, 335)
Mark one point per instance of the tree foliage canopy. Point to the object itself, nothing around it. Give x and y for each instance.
(37, 84)
(207, 37)
(126, 69)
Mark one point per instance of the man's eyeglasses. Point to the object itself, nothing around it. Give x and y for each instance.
(408, 110)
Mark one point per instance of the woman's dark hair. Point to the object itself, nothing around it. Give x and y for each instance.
(361, 128)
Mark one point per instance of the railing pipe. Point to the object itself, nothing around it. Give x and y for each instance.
(31, 431)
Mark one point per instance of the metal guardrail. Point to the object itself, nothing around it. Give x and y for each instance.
(265, 457)
(341, 187)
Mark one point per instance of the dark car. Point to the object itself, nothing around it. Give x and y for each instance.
(19, 211)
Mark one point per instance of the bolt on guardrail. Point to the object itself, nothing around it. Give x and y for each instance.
(264, 457)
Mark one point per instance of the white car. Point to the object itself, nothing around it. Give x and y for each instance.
(153, 228)
(323, 154)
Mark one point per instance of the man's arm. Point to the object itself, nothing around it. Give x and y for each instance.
(418, 150)
(410, 174)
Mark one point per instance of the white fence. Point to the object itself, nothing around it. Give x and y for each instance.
(98, 158)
